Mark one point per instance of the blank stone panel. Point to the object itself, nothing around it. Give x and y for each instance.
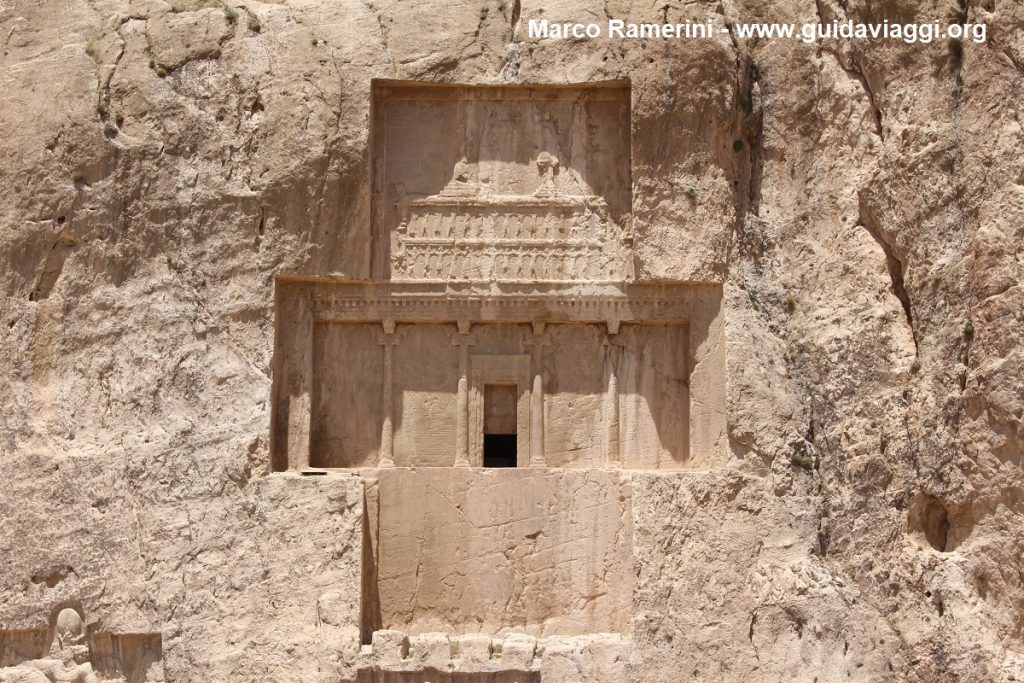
(348, 371)
(426, 390)
(654, 396)
(574, 396)
(500, 408)
(500, 339)
(463, 550)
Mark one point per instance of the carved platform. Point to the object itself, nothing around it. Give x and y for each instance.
(509, 238)
(513, 658)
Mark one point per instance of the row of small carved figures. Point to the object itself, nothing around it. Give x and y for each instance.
(441, 263)
(502, 226)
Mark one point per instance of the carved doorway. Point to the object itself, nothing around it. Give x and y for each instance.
(499, 410)
(500, 423)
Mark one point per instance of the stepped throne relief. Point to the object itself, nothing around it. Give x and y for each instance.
(522, 184)
(469, 232)
(497, 378)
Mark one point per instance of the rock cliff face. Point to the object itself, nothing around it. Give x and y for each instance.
(861, 205)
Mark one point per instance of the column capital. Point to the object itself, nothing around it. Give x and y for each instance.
(463, 341)
(537, 340)
(388, 337)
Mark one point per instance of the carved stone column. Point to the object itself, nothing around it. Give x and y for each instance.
(537, 345)
(387, 436)
(537, 419)
(463, 341)
(614, 457)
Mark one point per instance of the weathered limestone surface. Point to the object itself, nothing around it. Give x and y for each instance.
(544, 552)
(727, 582)
(863, 207)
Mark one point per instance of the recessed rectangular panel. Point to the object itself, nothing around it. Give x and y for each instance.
(502, 183)
(426, 381)
(464, 550)
(348, 386)
(511, 371)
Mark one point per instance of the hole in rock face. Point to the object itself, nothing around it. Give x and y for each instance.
(929, 519)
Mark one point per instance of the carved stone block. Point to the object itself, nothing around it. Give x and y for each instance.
(517, 651)
(431, 650)
(390, 647)
(496, 549)
(476, 658)
(475, 649)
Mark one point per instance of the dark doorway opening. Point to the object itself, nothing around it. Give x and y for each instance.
(500, 425)
(499, 450)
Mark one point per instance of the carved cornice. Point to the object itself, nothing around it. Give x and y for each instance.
(553, 245)
(505, 201)
(440, 302)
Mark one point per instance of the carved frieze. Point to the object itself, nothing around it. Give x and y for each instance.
(508, 238)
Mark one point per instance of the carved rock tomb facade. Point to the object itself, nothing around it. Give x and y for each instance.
(501, 376)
